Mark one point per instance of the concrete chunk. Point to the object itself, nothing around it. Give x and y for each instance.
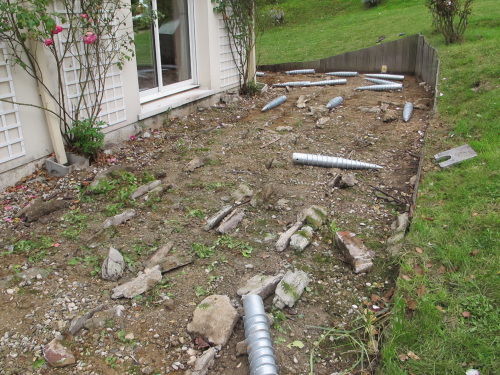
(214, 319)
(143, 282)
(141, 190)
(355, 252)
(261, 285)
(290, 288)
(113, 265)
(302, 238)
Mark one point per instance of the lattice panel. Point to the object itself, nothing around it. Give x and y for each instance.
(228, 69)
(112, 109)
(11, 137)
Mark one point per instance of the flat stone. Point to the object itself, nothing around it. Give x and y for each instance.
(58, 355)
(290, 288)
(141, 190)
(79, 322)
(214, 319)
(174, 261)
(159, 255)
(203, 363)
(196, 163)
(355, 252)
(243, 192)
(347, 180)
(284, 239)
(455, 155)
(142, 283)
(102, 318)
(113, 266)
(39, 208)
(261, 285)
(241, 348)
(119, 219)
(231, 221)
(390, 115)
(215, 219)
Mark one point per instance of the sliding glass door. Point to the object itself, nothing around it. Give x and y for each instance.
(163, 45)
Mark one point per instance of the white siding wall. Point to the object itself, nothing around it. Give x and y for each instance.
(229, 75)
(11, 137)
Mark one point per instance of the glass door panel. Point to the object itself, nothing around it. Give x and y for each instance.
(163, 47)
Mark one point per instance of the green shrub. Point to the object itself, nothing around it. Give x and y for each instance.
(86, 137)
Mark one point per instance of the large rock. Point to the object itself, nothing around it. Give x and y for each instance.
(142, 283)
(290, 288)
(214, 319)
(58, 355)
(261, 285)
(355, 252)
(113, 265)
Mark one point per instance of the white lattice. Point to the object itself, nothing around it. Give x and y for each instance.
(112, 109)
(229, 73)
(11, 137)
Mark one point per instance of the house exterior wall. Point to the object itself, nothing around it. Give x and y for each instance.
(124, 109)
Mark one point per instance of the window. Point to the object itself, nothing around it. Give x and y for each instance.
(163, 46)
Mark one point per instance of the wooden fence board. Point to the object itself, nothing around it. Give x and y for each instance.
(410, 55)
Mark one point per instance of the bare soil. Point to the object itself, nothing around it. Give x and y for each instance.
(237, 144)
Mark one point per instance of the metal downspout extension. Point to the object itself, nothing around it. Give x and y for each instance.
(259, 344)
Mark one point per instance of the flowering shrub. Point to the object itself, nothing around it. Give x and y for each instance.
(450, 17)
(87, 30)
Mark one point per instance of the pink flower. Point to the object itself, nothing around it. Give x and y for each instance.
(132, 137)
(57, 29)
(8, 219)
(56, 244)
(89, 37)
(8, 208)
(84, 15)
(48, 42)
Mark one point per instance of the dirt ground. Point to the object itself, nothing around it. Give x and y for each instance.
(233, 143)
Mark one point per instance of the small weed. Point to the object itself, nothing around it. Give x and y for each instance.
(39, 363)
(196, 212)
(234, 244)
(121, 336)
(111, 361)
(91, 261)
(199, 291)
(279, 320)
(201, 250)
(290, 290)
(203, 306)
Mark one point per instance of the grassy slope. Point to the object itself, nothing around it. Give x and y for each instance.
(456, 225)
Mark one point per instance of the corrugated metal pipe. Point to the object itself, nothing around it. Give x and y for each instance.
(331, 162)
(274, 103)
(291, 84)
(395, 77)
(259, 344)
(394, 86)
(342, 74)
(329, 82)
(301, 71)
(407, 111)
(380, 81)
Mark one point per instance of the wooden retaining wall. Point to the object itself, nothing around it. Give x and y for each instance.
(411, 55)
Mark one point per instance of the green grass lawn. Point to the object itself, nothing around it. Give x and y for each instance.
(446, 306)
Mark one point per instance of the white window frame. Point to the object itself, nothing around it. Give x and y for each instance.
(161, 91)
